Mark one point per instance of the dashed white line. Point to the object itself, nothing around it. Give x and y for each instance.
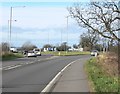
(13, 67)
(16, 66)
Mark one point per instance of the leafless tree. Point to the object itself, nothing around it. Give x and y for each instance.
(101, 17)
(4, 48)
(28, 46)
(89, 39)
(47, 46)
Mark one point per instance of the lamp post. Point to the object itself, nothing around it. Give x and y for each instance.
(9, 32)
(67, 31)
(48, 37)
(61, 37)
(10, 21)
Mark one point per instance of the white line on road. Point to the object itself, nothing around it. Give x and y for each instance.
(55, 79)
(21, 64)
(13, 67)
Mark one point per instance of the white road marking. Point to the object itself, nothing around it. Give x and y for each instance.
(56, 78)
(21, 64)
(13, 67)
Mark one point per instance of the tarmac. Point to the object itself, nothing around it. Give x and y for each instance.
(74, 79)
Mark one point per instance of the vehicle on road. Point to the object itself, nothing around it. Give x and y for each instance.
(37, 51)
(94, 52)
(31, 54)
(13, 49)
(25, 53)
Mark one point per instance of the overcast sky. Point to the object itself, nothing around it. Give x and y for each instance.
(39, 22)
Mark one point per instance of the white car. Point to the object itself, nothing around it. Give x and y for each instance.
(37, 52)
(31, 54)
(94, 53)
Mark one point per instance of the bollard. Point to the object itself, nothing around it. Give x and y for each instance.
(59, 53)
(95, 54)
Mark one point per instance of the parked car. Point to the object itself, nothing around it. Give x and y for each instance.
(94, 53)
(37, 51)
(31, 54)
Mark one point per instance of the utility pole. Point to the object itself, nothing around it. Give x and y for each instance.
(67, 32)
(48, 37)
(10, 22)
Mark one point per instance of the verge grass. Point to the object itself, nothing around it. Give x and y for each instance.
(98, 79)
(10, 56)
(64, 53)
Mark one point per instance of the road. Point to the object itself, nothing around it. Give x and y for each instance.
(34, 77)
(23, 60)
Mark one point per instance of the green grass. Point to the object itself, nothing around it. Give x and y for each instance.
(11, 56)
(64, 53)
(100, 80)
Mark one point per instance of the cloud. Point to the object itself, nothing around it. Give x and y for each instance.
(41, 36)
(36, 17)
(39, 24)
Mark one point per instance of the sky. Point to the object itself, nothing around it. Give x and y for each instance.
(39, 22)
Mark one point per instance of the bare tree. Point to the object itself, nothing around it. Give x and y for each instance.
(4, 46)
(101, 17)
(75, 46)
(28, 46)
(47, 46)
(63, 47)
(89, 39)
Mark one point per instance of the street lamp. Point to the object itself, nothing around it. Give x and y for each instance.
(67, 31)
(9, 33)
(10, 21)
(61, 37)
(48, 37)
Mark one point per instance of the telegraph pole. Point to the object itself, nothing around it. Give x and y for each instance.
(10, 22)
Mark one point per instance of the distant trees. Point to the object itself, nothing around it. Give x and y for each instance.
(75, 46)
(28, 46)
(84, 42)
(63, 47)
(89, 40)
(4, 47)
(47, 46)
(100, 17)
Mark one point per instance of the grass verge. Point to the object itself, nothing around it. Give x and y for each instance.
(11, 56)
(98, 79)
(64, 53)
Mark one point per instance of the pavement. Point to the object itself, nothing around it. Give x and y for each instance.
(74, 79)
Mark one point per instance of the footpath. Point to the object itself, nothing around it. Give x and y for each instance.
(74, 79)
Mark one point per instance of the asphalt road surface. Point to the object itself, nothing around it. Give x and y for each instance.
(34, 77)
(23, 60)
